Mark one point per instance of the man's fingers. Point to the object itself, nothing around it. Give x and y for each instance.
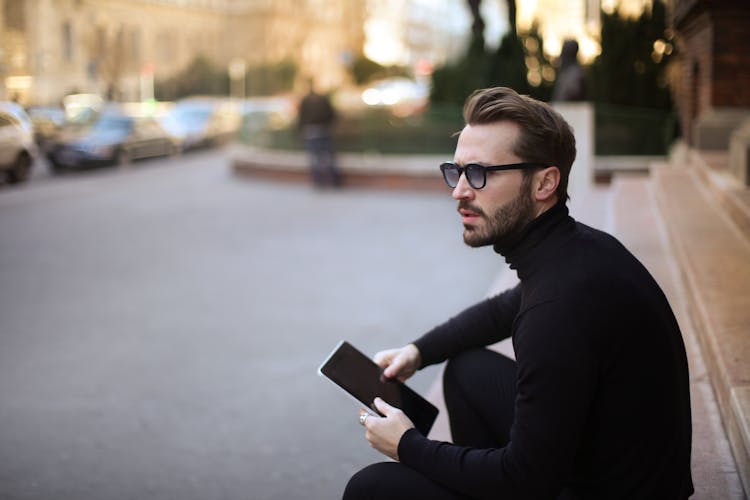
(393, 368)
(384, 407)
(385, 358)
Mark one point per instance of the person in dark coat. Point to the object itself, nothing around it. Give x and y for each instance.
(571, 82)
(315, 124)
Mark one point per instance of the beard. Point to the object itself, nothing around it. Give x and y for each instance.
(504, 225)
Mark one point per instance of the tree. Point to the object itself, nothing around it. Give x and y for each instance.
(631, 69)
(365, 70)
(268, 79)
(480, 68)
(200, 77)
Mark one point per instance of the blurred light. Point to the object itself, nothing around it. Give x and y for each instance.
(552, 44)
(548, 72)
(589, 49)
(660, 46)
(371, 97)
(389, 97)
(424, 67)
(534, 78)
(532, 45)
(18, 82)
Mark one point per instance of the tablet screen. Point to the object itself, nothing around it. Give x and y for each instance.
(362, 378)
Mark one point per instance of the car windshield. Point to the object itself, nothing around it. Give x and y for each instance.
(192, 115)
(114, 124)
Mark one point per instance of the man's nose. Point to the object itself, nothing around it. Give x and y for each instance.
(463, 190)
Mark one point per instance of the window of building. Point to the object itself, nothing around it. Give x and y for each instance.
(14, 15)
(67, 41)
(135, 44)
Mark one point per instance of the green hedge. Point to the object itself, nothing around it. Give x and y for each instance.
(372, 130)
(619, 130)
(626, 130)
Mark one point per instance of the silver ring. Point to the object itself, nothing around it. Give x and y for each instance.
(363, 417)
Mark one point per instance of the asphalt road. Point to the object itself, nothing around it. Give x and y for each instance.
(161, 327)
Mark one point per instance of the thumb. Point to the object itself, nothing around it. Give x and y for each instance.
(384, 407)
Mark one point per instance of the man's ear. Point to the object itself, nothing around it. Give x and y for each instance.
(545, 183)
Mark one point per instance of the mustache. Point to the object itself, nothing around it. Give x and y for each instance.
(465, 205)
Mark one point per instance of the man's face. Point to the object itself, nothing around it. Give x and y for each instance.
(497, 212)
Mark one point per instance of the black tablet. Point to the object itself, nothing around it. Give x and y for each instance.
(362, 379)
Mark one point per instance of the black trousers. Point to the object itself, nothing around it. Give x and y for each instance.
(480, 393)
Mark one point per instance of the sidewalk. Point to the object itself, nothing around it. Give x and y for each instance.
(690, 226)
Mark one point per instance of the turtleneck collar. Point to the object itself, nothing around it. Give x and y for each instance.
(523, 254)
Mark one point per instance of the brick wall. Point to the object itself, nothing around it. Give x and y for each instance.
(713, 40)
(732, 56)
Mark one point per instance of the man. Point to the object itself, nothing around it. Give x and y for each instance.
(316, 117)
(571, 82)
(596, 404)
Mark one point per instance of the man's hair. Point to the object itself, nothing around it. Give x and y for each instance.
(545, 136)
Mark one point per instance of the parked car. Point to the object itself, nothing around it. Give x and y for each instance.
(202, 122)
(112, 139)
(47, 120)
(403, 96)
(16, 143)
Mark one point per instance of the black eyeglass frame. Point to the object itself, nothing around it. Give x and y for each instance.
(476, 167)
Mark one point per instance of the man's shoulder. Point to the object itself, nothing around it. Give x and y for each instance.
(590, 265)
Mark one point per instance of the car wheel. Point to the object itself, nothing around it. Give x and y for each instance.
(21, 169)
(174, 150)
(123, 157)
(57, 167)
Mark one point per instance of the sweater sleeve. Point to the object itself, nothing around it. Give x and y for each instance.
(556, 382)
(482, 324)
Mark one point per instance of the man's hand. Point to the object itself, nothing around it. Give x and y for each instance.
(399, 363)
(384, 433)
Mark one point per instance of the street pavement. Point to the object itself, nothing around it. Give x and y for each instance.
(161, 327)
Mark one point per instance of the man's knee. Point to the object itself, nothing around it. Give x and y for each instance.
(364, 484)
(462, 368)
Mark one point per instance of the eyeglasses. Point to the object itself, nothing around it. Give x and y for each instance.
(477, 174)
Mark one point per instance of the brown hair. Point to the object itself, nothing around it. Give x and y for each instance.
(545, 136)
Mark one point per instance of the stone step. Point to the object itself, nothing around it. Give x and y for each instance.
(712, 252)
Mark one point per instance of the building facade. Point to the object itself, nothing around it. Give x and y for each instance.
(116, 48)
(711, 87)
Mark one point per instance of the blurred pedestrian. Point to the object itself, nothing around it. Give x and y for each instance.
(315, 124)
(596, 403)
(571, 82)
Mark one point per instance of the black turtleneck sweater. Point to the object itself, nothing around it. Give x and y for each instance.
(603, 404)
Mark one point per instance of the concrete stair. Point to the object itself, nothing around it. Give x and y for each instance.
(706, 218)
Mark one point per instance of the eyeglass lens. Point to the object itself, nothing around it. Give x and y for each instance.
(475, 174)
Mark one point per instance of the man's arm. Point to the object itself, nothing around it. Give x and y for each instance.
(480, 325)
(557, 376)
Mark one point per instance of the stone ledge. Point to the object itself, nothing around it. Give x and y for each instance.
(713, 254)
(413, 172)
(741, 407)
(728, 190)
